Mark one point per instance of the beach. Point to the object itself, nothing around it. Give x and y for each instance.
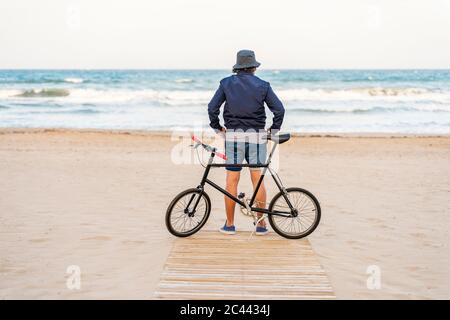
(97, 199)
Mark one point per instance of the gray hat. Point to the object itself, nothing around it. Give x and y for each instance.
(246, 59)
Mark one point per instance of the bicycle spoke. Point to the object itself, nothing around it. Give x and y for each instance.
(284, 221)
(196, 220)
(190, 222)
(180, 220)
(179, 217)
(308, 221)
(307, 213)
(179, 223)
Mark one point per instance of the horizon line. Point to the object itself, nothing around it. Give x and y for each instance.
(223, 69)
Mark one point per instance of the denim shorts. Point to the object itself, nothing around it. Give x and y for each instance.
(253, 153)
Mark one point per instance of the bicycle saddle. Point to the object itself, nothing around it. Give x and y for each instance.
(279, 138)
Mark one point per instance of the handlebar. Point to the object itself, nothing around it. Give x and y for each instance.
(209, 148)
(277, 139)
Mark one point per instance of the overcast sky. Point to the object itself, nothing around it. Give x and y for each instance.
(202, 34)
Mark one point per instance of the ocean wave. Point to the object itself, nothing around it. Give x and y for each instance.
(77, 111)
(43, 93)
(44, 81)
(8, 93)
(367, 93)
(31, 105)
(391, 91)
(389, 79)
(202, 97)
(150, 96)
(56, 111)
(357, 110)
(73, 80)
(185, 80)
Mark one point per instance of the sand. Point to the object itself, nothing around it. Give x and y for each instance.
(97, 200)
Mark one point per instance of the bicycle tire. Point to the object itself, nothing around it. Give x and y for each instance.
(175, 201)
(276, 227)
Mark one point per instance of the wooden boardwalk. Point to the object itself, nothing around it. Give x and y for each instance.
(210, 265)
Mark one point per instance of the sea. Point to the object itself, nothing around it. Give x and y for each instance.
(316, 101)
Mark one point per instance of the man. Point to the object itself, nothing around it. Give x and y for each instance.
(244, 95)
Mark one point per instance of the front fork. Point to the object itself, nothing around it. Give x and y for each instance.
(285, 194)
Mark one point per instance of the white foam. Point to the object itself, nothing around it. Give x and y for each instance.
(185, 80)
(202, 97)
(165, 97)
(8, 93)
(74, 80)
(367, 94)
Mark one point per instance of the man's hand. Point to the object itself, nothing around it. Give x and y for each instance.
(222, 132)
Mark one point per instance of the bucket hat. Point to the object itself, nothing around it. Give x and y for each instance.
(246, 59)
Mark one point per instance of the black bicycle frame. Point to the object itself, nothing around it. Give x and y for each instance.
(266, 167)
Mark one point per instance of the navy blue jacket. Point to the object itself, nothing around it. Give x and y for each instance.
(244, 95)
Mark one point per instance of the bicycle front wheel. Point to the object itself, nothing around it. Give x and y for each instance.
(304, 223)
(188, 212)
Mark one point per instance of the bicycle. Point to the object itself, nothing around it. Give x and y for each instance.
(293, 212)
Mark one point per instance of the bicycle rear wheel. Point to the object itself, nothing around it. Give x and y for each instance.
(304, 223)
(181, 218)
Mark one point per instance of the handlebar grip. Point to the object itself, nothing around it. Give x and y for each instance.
(195, 139)
(209, 148)
(221, 155)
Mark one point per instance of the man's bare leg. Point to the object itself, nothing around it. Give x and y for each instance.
(232, 183)
(261, 195)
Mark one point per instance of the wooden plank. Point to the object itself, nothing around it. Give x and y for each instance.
(210, 265)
